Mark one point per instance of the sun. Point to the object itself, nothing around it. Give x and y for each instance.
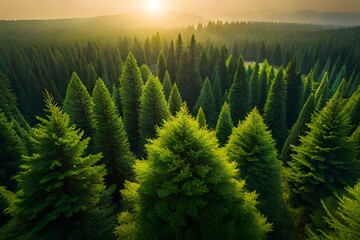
(154, 5)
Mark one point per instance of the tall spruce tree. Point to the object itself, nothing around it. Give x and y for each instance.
(110, 137)
(294, 91)
(153, 109)
(207, 102)
(275, 109)
(175, 101)
(252, 147)
(325, 160)
(161, 66)
(224, 125)
(240, 93)
(322, 92)
(255, 86)
(179, 48)
(186, 189)
(77, 104)
(58, 185)
(216, 86)
(130, 91)
(201, 118)
(171, 61)
(166, 85)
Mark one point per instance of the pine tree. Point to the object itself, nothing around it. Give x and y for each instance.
(340, 76)
(171, 61)
(252, 147)
(262, 87)
(186, 189)
(130, 91)
(275, 109)
(110, 137)
(224, 125)
(325, 161)
(161, 66)
(175, 100)
(240, 94)
(145, 72)
(11, 149)
(166, 84)
(201, 119)
(58, 185)
(308, 85)
(322, 92)
(299, 128)
(255, 86)
(77, 104)
(294, 92)
(179, 48)
(353, 108)
(207, 102)
(216, 86)
(153, 109)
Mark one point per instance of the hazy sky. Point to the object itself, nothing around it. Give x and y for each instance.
(36, 9)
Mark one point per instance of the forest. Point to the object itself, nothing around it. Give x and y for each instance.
(223, 130)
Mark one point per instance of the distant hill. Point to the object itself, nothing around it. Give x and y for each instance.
(323, 18)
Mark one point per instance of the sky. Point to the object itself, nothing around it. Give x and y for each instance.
(53, 9)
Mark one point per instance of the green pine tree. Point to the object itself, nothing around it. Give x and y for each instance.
(201, 118)
(153, 109)
(171, 61)
(145, 72)
(324, 161)
(255, 86)
(110, 137)
(240, 94)
(275, 109)
(322, 92)
(224, 125)
(252, 147)
(130, 91)
(216, 86)
(161, 66)
(186, 189)
(175, 100)
(77, 104)
(166, 84)
(207, 102)
(58, 184)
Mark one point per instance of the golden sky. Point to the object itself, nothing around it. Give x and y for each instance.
(50, 9)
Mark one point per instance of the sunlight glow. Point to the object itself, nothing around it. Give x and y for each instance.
(154, 5)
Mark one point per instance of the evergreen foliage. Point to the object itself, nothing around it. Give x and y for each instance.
(224, 125)
(322, 92)
(77, 104)
(201, 119)
(175, 100)
(207, 102)
(240, 94)
(161, 66)
(166, 85)
(58, 185)
(171, 61)
(130, 91)
(153, 109)
(275, 109)
(252, 147)
(186, 189)
(110, 137)
(324, 161)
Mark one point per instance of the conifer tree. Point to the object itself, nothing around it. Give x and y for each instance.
(255, 86)
(145, 72)
(166, 85)
(130, 91)
(224, 125)
(11, 149)
(294, 92)
(352, 106)
(161, 66)
(299, 128)
(58, 184)
(179, 48)
(186, 189)
(308, 85)
(175, 100)
(216, 86)
(200, 118)
(171, 61)
(340, 76)
(322, 92)
(207, 102)
(325, 160)
(275, 109)
(77, 104)
(262, 83)
(252, 147)
(153, 109)
(240, 93)
(110, 137)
